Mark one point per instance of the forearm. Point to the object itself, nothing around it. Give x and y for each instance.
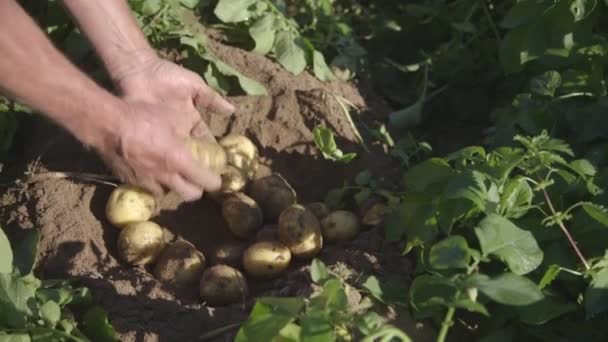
(114, 34)
(34, 72)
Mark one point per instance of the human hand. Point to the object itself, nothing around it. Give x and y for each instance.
(158, 81)
(147, 149)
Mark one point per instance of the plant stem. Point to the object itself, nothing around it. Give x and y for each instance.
(447, 322)
(486, 11)
(563, 227)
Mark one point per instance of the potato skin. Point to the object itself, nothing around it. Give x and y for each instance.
(230, 254)
(340, 225)
(140, 243)
(269, 232)
(266, 259)
(128, 204)
(180, 264)
(233, 180)
(223, 285)
(242, 215)
(319, 209)
(241, 153)
(273, 193)
(209, 154)
(300, 231)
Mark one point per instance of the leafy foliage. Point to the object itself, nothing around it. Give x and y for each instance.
(41, 310)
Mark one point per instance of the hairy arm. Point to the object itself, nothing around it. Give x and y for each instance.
(37, 74)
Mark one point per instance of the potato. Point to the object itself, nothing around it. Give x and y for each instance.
(140, 243)
(340, 225)
(223, 285)
(273, 194)
(128, 204)
(209, 154)
(180, 264)
(375, 215)
(266, 259)
(319, 209)
(230, 254)
(233, 180)
(242, 215)
(269, 232)
(241, 153)
(300, 231)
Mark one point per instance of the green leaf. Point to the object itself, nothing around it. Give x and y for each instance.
(369, 322)
(25, 252)
(386, 293)
(265, 322)
(263, 33)
(216, 80)
(15, 337)
(415, 218)
(363, 178)
(290, 305)
(316, 327)
(191, 4)
(507, 289)
(318, 271)
(408, 116)
(516, 198)
(582, 8)
(516, 247)
(429, 172)
(325, 142)
(16, 295)
(550, 274)
(522, 12)
(290, 333)
(234, 11)
(471, 306)
(583, 167)
(430, 294)
(50, 312)
(597, 212)
(596, 295)
(290, 53)
(546, 84)
(475, 186)
(96, 325)
(6, 253)
(545, 310)
(522, 45)
(451, 252)
(248, 85)
(320, 67)
(333, 296)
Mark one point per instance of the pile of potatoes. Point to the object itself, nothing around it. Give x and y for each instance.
(270, 226)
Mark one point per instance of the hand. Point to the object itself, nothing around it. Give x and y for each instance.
(159, 81)
(148, 149)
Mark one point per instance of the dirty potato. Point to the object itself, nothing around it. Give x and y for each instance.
(180, 264)
(230, 253)
(140, 243)
(223, 285)
(241, 153)
(340, 225)
(128, 204)
(233, 180)
(273, 194)
(242, 215)
(300, 231)
(266, 259)
(319, 209)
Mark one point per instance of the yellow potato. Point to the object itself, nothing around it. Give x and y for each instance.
(233, 180)
(209, 154)
(242, 215)
(129, 204)
(230, 254)
(140, 243)
(319, 209)
(266, 259)
(223, 285)
(180, 264)
(273, 194)
(300, 231)
(241, 153)
(340, 225)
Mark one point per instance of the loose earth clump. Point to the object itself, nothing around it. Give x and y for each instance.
(80, 240)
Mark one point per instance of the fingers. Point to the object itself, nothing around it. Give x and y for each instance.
(192, 172)
(188, 191)
(206, 100)
(202, 131)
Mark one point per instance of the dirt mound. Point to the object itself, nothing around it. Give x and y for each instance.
(77, 241)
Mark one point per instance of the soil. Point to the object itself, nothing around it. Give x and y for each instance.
(78, 242)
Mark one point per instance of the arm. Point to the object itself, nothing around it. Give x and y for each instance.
(137, 140)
